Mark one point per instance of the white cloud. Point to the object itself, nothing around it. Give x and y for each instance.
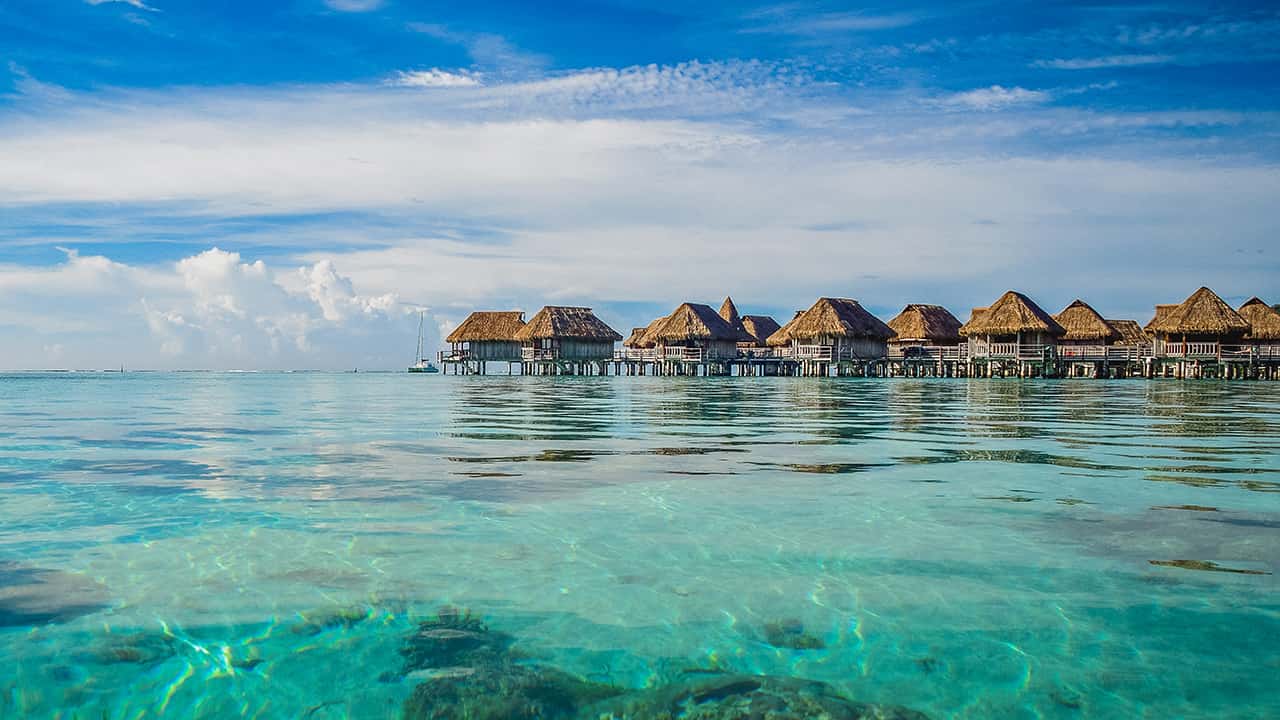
(793, 20)
(353, 5)
(135, 3)
(996, 97)
(1109, 61)
(597, 186)
(209, 310)
(29, 87)
(435, 78)
(486, 49)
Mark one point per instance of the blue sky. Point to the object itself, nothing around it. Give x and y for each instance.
(251, 184)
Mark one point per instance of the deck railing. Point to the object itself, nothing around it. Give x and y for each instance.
(1109, 353)
(539, 354)
(1012, 351)
(928, 352)
(683, 354)
(453, 356)
(1191, 349)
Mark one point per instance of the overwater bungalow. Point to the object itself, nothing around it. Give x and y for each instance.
(1096, 346)
(566, 335)
(1264, 328)
(1013, 329)
(694, 332)
(1202, 327)
(486, 335)
(1131, 335)
(834, 330)
(759, 328)
(921, 331)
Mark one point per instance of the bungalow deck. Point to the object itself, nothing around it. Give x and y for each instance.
(995, 360)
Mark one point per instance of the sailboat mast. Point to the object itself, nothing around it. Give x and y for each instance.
(420, 318)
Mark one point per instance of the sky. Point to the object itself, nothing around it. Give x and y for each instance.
(293, 184)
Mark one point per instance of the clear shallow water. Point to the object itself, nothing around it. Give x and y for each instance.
(203, 545)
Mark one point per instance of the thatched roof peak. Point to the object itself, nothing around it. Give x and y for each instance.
(1082, 322)
(1013, 313)
(729, 312)
(1203, 313)
(1263, 319)
(577, 323)
(759, 327)
(488, 326)
(1130, 332)
(693, 321)
(925, 323)
(834, 318)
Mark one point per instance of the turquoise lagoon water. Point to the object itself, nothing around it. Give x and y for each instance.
(218, 545)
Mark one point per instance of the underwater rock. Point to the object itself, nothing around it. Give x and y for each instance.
(791, 634)
(35, 596)
(505, 691)
(744, 697)
(140, 648)
(315, 622)
(1206, 565)
(455, 639)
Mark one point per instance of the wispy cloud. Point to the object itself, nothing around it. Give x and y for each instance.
(1109, 61)
(435, 78)
(135, 3)
(353, 5)
(996, 97)
(485, 49)
(31, 88)
(792, 19)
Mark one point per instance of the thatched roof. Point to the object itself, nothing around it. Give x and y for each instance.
(1204, 313)
(1013, 313)
(925, 323)
(759, 327)
(1263, 319)
(782, 336)
(488, 326)
(1130, 332)
(729, 312)
(836, 318)
(1162, 312)
(1082, 322)
(577, 323)
(692, 321)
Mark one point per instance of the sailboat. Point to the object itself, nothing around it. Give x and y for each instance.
(420, 363)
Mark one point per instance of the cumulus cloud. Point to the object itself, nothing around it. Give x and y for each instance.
(434, 78)
(996, 97)
(209, 310)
